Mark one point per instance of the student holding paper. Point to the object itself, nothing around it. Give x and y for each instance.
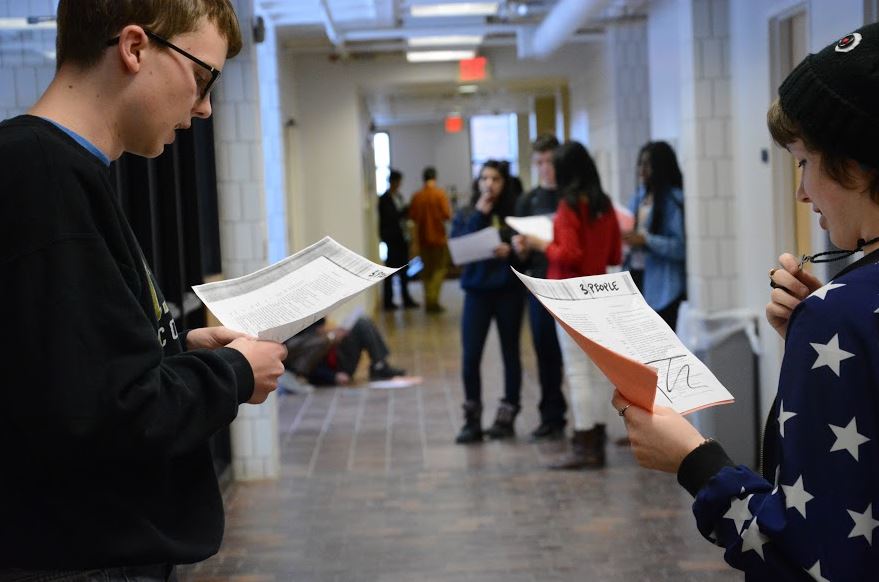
(812, 513)
(107, 407)
(544, 200)
(491, 292)
(586, 240)
(657, 248)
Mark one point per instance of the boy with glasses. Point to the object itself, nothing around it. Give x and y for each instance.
(108, 408)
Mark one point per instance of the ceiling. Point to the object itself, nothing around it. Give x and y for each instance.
(535, 29)
(368, 26)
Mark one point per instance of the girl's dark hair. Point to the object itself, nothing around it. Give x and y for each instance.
(506, 203)
(577, 177)
(665, 174)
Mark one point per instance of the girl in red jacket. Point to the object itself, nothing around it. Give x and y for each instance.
(586, 239)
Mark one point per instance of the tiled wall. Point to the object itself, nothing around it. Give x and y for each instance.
(627, 49)
(706, 154)
(241, 183)
(27, 58)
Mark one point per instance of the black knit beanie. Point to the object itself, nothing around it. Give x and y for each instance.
(834, 96)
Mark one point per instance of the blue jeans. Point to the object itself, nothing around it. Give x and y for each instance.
(506, 307)
(549, 364)
(156, 573)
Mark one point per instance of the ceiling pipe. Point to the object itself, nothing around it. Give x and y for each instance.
(564, 20)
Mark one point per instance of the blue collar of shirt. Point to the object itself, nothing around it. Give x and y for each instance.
(92, 148)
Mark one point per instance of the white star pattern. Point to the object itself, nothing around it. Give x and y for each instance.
(739, 513)
(848, 438)
(864, 524)
(823, 291)
(830, 355)
(796, 496)
(753, 539)
(815, 572)
(783, 417)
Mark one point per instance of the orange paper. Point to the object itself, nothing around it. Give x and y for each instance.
(635, 381)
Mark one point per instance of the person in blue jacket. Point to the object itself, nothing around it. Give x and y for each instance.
(813, 512)
(491, 292)
(657, 255)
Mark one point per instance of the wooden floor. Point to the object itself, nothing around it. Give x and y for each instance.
(374, 489)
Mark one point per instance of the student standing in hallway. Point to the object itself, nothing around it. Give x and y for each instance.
(430, 210)
(658, 250)
(392, 230)
(811, 514)
(586, 241)
(491, 291)
(107, 408)
(544, 199)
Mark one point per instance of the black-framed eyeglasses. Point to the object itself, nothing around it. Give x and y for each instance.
(204, 85)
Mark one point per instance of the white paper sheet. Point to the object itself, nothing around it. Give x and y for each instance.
(539, 226)
(610, 311)
(278, 301)
(476, 246)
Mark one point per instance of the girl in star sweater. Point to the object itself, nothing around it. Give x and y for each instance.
(811, 515)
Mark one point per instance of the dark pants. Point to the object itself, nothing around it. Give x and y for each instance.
(363, 336)
(506, 308)
(670, 313)
(398, 255)
(549, 364)
(158, 573)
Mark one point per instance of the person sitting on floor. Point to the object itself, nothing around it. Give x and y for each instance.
(328, 356)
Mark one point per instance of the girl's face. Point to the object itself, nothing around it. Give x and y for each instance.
(491, 182)
(847, 214)
(644, 171)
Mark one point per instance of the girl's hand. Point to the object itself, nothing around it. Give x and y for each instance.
(790, 285)
(502, 251)
(660, 440)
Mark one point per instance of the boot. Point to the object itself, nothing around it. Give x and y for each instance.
(503, 422)
(587, 450)
(471, 432)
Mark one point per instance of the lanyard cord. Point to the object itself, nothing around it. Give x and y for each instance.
(829, 256)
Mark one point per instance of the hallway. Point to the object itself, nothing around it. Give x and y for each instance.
(373, 489)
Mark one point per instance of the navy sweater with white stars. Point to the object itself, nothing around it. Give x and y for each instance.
(812, 514)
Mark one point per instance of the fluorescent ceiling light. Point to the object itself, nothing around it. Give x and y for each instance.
(454, 9)
(436, 56)
(448, 40)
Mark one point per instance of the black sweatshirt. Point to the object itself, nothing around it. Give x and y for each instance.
(105, 419)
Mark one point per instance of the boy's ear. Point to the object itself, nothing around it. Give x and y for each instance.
(132, 42)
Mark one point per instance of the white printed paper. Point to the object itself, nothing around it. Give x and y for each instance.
(639, 353)
(476, 246)
(278, 301)
(539, 226)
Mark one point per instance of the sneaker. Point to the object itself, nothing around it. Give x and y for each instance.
(384, 371)
(548, 431)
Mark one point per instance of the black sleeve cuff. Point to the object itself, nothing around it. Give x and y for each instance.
(243, 372)
(701, 465)
(182, 336)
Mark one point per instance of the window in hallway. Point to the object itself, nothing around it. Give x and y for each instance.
(494, 137)
(381, 146)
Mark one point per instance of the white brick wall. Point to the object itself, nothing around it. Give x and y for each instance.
(627, 54)
(706, 154)
(27, 58)
(250, 173)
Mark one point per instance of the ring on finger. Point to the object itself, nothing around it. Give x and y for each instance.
(622, 411)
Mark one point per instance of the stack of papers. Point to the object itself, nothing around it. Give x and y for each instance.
(278, 301)
(637, 351)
